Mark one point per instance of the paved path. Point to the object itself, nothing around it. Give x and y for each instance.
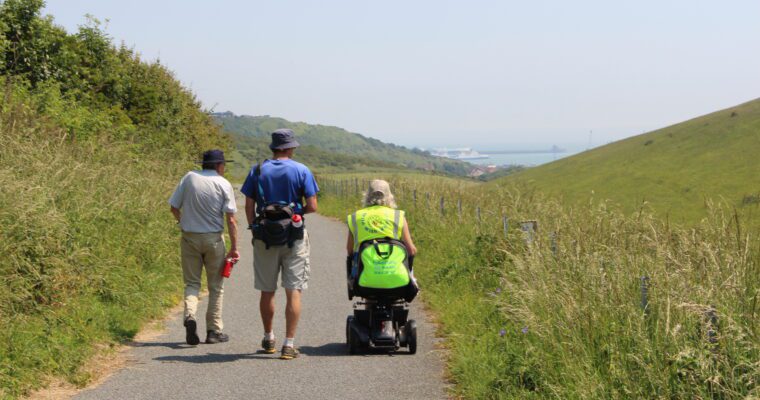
(166, 368)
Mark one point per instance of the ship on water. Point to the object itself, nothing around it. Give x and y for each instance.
(465, 153)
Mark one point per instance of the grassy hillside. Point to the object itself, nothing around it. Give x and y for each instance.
(674, 169)
(93, 142)
(338, 141)
(249, 150)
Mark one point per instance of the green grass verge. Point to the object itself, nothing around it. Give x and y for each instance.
(561, 316)
(90, 251)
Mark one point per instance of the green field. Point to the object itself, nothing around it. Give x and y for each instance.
(559, 313)
(676, 170)
(609, 298)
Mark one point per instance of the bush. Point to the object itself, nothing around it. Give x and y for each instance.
(93, 142)
(88, 248)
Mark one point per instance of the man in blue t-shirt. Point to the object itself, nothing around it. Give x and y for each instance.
(280, 181)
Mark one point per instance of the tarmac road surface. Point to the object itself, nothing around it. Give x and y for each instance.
(167, 368)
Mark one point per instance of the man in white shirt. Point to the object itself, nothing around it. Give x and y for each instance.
(200, 203)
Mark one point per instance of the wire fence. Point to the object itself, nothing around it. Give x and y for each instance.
(445, 206)
(459, 206)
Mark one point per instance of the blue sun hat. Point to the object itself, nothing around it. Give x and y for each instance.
(283, 139)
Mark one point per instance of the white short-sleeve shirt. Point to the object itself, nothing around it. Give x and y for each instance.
(204, 197)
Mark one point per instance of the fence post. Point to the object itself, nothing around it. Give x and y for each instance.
(711, 318)
(529, 228)
(443, 211)
(459, 207)
(505, 222)
(415, 197)
(553, 237)
(645, 294)
(477, 211)
(427, 200)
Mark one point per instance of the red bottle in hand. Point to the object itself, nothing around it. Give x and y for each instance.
(227, 270)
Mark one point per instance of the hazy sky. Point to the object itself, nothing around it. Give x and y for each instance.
(460, 73)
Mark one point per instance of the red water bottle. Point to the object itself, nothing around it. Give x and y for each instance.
(297, 221)
(227, 270)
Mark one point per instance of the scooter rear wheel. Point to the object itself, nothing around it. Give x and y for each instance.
(351, 340)
(411, 336)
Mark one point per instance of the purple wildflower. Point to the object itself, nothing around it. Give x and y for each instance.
(524, 330)
(502, 332)
(498, 290)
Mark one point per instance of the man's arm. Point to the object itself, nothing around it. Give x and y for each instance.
(309, 190)
(176, 213)
(250, 210)
(311, 205)
(232, 228)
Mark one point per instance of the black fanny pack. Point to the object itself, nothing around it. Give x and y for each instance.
(274, 226)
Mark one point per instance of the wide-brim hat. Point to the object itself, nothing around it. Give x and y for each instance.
(283, 139)
(214, 156)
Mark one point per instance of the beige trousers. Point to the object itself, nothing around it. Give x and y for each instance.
(199, 249)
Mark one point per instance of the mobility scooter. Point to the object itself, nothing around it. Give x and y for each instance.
(379, 321)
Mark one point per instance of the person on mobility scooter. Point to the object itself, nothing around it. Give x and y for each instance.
(379, 268)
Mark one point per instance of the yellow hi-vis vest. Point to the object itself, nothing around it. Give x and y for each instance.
(378, 222)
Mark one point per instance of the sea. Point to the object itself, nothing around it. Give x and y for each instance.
(527, 156)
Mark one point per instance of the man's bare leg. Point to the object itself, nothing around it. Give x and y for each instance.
(292, 312)
(266, 307)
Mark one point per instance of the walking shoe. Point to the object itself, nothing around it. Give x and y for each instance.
(268, 346)
(288, 353)
(216, 337)
(191, 331)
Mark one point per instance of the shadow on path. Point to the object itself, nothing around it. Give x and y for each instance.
(171, 345)
(214, 358)
(325, 350)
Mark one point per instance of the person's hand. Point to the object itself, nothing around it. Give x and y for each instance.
(234, 254)
(412, 250)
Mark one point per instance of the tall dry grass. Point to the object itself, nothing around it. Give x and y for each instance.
(559, 313)
(87, 246)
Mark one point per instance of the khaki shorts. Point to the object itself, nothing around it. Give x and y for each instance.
(292, 263)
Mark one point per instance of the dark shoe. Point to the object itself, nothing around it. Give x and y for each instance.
(268, 346)
(191, 331)
(288, 353)
(216, 337)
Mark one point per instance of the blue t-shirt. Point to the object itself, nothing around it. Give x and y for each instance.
(282, 181)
